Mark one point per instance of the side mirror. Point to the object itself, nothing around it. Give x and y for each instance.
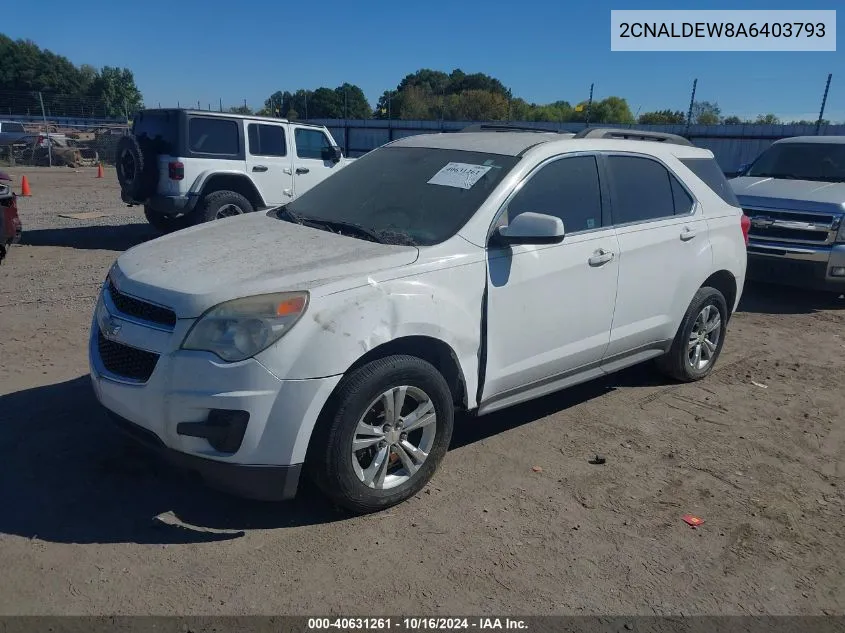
(334, 154)
(531, 228)
(742, 169)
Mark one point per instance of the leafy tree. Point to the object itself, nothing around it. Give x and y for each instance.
(353, 102)
(662, 117)
(706, 113)
(732, 120)
(116, 87)
(806, 122)
(242, 109)
(767, 119)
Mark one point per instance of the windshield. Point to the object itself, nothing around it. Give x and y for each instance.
(405, 195)
(802, 161)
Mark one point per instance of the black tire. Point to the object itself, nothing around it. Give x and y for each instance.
(212, 206)
(136, 170)
(166, 223)
(677, 363)
(330, 460)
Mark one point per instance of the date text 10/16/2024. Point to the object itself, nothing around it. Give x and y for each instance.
(416, 624)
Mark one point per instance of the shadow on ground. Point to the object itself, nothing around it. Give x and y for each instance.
(68, 476)
(761, 298)
(116, 237)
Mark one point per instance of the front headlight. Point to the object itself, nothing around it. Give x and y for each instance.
(239, 329)
(840, 235)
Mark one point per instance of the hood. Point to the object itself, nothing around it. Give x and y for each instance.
(197, 268)
(802, 195)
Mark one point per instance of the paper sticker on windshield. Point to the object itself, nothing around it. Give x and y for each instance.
(460, 175)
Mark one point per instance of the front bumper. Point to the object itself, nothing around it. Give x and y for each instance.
(190, 387)
(803, 266)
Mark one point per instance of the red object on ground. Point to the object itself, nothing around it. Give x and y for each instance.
(691, 520)
(25, 187)
(100, 170)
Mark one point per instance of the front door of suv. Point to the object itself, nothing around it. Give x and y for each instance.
(664, 253)
(550, 307)
(269, 161)
(310, 166)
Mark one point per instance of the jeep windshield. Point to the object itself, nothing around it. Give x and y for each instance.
(402, 195)
(801, 161)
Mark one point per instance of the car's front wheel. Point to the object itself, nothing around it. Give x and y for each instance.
(383, 435)
(699, 339)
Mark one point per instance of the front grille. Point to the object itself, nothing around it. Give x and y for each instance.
(775, 232)
(794, 227)
(124, 361)
(141, 309)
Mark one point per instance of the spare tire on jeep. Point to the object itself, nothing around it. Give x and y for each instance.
(136, 169)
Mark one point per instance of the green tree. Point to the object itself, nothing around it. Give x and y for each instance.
(116, 88)
(732, 120)
(353, 102)
(767, 119)
(241, 109)
(662, 117)
(706, 113)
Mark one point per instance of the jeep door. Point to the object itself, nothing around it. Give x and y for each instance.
(268, 161)
(311, 163)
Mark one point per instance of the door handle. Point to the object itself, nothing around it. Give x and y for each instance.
(302, 170)
(600, 257)
(288, 193)
(259, 168)
(687, 234)
(287, 171)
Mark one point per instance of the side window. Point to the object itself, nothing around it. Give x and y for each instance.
(266, 140)
(213, 136)
(642, 189)
(567, 188)
(683, 201)
(310, 143)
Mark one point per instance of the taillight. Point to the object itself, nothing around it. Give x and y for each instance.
(745, 223)
(176, 170)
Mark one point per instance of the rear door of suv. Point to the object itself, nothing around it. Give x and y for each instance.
(664, 255)
(269, 161)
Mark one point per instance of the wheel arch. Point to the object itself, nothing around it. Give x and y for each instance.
(725, 282)
(233, 181)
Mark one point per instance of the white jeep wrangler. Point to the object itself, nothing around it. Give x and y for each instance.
(339, 334)
(192, 166)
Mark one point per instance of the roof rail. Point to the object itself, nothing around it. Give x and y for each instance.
(505, 127)
(632, 135)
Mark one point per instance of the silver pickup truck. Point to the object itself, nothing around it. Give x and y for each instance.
(794, 195)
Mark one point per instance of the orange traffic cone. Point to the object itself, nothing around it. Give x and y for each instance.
(99, 170)
(25, 187)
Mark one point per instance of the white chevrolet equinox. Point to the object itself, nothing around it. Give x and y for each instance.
(337, 336)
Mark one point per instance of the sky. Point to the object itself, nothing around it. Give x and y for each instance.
(184, 51)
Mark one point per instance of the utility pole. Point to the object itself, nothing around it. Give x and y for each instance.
(691, 102)
(47, 131)
(824, 101)
(590, 105)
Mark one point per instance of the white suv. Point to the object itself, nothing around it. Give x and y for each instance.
(472, 271)
(192, 166)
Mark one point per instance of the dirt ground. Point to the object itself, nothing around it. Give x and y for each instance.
(756, 450)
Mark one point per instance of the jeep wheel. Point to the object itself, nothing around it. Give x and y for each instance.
(221, 204)
(166, 223)
(383, 434)
(700, 337)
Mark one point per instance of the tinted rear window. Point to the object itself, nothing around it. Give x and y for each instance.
(160, 127)
(7, 126)
(708, 171)
(213, 136)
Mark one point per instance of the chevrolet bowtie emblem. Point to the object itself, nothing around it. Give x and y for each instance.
(762, 222)
(111, 328)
